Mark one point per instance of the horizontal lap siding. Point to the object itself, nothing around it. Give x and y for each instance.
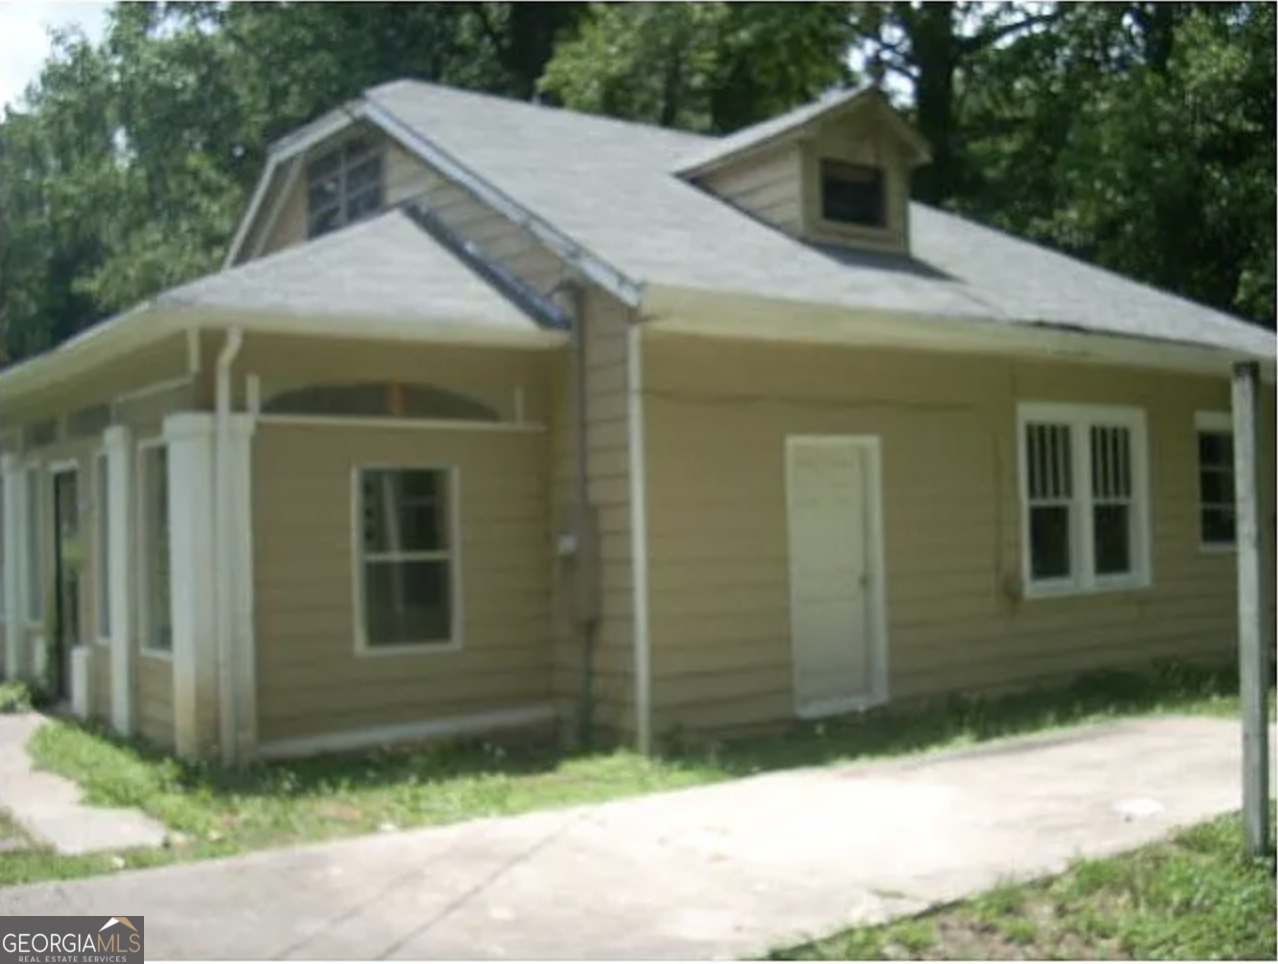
(310, 681)
(155, 700)
(717, 415)
(769, 187)
(607, 438)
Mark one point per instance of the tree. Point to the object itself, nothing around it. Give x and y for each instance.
(700, 66)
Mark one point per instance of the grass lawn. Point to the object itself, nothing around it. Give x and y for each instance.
(214, 811)
(1194, 897)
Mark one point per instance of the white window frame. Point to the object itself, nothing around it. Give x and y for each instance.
(143, 491)
(1080, 418)
(453, 555)
(101, 548)
(34, 590)
(1220, 423)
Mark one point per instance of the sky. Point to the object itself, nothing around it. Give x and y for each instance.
(24, 37)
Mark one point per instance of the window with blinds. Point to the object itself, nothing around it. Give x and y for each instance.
(1083, 477)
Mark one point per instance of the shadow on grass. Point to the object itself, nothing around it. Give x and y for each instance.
(888, 731)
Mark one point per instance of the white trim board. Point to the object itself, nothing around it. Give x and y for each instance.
(639, 537)
(424, 425)
(429, 729)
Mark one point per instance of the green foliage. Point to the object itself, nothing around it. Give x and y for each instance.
(1194, 897)
(700, 66)
(15, 697)
(215, 811)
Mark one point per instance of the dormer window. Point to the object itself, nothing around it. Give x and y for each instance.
(852, 194)
(344, 185)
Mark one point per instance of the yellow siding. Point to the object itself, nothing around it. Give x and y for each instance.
(767, 186)
(154, 707)
(310, 679)
(608, 440)
(407, 178)
(717, 414)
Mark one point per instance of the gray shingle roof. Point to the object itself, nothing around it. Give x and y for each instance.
(611, 187)
(386, 269)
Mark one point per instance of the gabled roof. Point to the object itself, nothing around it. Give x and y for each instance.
(757, 137)
(609, 187)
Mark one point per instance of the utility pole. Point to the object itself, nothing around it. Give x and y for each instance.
(1252, 660)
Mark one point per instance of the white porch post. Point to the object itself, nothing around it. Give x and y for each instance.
(14, 618)
(189, 437)
(119, 574)
(1252, 608)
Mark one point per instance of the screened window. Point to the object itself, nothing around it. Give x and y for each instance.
(407, 572)
(102, 556)
(1083, 471)
(1217, 519)
(852, 194)
(33, 560)
(344, 185)
(157, 628)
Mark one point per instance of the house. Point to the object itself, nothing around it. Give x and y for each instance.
(500, 416)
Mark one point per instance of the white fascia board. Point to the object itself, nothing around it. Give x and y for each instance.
(109, 339)
(418, 329)
(680, 310)
(153, 322)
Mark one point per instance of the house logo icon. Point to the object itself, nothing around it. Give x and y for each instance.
(112, 921)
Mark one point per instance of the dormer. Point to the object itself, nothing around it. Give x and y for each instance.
(836, 171)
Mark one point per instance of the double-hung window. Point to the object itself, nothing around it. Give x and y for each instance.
(406, 547)
(1217, 520)
(344, 185)
(1085, 497)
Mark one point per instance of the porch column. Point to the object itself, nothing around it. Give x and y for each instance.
(1253, 608)
(10, 519)
(189, 438)
(119, 575)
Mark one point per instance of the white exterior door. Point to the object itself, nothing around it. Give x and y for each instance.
(836, 624)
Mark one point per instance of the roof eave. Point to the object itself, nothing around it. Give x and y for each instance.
(682, 309)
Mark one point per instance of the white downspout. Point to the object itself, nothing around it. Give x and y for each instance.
(222, 575)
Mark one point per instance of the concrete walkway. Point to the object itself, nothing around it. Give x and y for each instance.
(724, 871)
(48, 806)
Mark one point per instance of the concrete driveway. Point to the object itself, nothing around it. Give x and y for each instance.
(725, 871)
